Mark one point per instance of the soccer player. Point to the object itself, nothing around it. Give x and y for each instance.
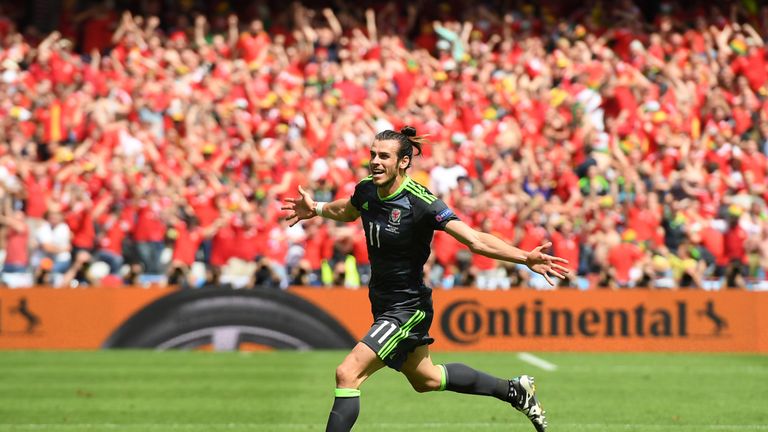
(399, 218)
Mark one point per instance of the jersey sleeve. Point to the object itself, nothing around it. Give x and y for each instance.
(358, 197)
(436, 214)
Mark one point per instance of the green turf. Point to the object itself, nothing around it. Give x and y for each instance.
(291, 391)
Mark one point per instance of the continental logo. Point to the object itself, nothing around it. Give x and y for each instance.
(468, 321)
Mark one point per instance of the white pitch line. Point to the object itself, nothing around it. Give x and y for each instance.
(537, 361)
(404, 426)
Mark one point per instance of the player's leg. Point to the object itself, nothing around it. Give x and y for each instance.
(425, 376)
(359, 364)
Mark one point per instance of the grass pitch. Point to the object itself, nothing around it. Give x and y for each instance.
(293, 391)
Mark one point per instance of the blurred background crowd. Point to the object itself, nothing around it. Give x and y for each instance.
(152, 141)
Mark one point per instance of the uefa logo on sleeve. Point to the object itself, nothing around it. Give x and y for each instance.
(444, 215)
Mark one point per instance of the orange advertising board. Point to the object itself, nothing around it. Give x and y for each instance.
(464, 319)
(47, 318)
(522, 320)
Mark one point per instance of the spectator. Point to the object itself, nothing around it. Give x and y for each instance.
(565, 244)
(114, 229)
(625, 260)
(735, 252)
(54, 254)
(445, 176)
(149, 233)
(16, 242)
(188, 237)
(600, 123)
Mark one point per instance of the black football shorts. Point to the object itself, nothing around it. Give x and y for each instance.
(394, 334)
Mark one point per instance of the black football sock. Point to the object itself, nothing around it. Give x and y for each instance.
(345, 409)
(460, 378)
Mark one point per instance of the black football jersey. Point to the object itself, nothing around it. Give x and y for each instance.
(399, 230)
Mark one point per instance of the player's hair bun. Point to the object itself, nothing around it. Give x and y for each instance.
(408, 131)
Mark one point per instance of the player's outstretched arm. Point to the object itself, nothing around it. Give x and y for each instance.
(493, 247)
(304, 207)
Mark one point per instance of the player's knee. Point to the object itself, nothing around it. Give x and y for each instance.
(345, 377)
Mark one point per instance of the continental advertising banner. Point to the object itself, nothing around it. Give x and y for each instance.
(315, 318)
(467, 320)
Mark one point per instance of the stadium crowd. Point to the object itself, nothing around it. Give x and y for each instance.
(156, 145)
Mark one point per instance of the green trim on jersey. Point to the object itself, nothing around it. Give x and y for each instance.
(421, 192)
(346, 393)
(403, 185)
(401, 334)
(369, 178)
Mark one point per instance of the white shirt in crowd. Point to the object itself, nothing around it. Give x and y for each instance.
(444, 179)
(60, 236)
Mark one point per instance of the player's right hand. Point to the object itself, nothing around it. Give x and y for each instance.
(300, 208)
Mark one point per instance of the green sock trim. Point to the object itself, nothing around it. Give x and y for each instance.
(347, 393)
(443, 378)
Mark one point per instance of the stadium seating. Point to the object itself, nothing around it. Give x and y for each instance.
(636, 140)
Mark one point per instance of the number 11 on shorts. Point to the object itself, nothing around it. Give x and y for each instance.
(389, 331)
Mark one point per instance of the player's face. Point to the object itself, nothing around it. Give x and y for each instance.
(384, 164)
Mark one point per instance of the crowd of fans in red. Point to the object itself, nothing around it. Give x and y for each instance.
(637, 146)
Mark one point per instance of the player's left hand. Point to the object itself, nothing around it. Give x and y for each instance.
(546, 265)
